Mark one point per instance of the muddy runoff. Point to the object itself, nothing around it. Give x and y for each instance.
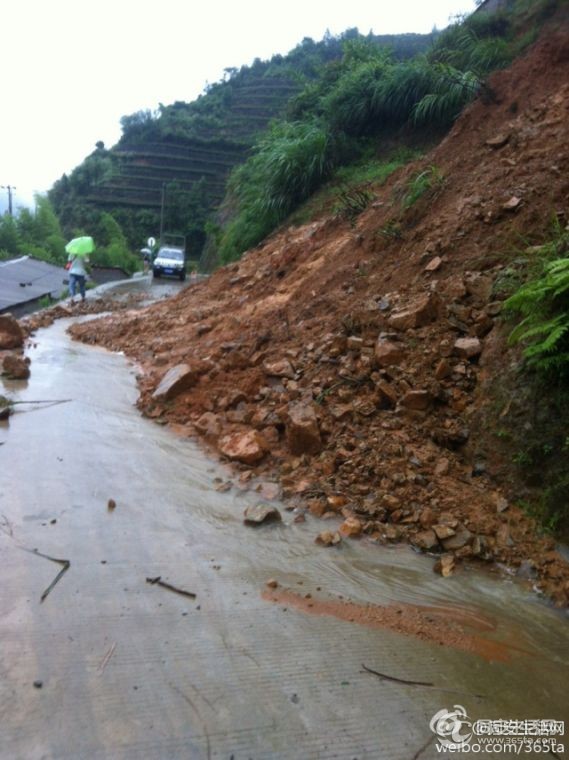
(348, 652)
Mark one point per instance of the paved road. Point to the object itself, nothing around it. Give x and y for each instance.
(130, 670)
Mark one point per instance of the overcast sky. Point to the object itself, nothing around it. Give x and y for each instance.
(72, 68)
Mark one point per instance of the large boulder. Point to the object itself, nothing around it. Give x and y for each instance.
(11, 334)
(302, 431)
(177, 379)
(248, 447)
(16, 367)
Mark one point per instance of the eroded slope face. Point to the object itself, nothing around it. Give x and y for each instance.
(354, 363)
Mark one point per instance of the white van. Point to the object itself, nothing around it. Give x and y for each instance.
(171, 261)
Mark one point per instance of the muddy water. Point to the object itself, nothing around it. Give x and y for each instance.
(131, 670)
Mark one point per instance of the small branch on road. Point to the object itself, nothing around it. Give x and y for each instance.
(428, 684)
(6, 527)
(43, 401)
(159, 582)
(396, 680)
(105, 661)
(65, 563)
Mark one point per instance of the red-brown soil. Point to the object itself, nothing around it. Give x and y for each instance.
(445, 626)
(283, 351)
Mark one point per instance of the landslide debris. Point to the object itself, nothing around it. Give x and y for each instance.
(348, 360)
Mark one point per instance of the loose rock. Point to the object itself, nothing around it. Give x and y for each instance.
(351, 527)
(419, 313)
(426, 540)
(176, 380)
(388, 353)
(261, 513)
(445, 565)
(328, 538)
(467, 348)
(11, 334)
(249, 447)
(302, 431)
(16, 367)
(282, 368)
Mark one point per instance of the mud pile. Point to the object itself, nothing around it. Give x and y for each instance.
(347, 362)
(109, 302)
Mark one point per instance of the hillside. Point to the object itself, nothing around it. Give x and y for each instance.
(365, 367)
(189, 149)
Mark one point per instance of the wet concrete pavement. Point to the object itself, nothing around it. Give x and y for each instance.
(132, 670)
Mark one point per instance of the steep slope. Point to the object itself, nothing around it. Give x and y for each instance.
(182, 154)
(354, 362)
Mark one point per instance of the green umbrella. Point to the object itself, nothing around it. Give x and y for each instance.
(81, 246)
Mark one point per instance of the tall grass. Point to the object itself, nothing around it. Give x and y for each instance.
(364, 96)
(287, 166)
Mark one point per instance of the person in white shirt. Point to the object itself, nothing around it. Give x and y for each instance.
(77, 274)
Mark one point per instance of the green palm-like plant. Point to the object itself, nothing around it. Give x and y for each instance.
(288, 164)
(451, 90)
(295, 159)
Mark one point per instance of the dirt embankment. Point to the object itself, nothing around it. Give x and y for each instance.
(348, 361)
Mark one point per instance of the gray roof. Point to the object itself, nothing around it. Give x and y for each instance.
(26, 279)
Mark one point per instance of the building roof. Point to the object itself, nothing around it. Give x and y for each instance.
(26, 279)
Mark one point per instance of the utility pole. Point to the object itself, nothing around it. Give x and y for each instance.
(162, 212)
(9, 188)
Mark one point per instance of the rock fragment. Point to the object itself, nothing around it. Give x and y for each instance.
(16, 367)
(388, 353)
(261, 513)
(281, 368)
(247, 447)
(177, 379)
(328, 538)
(11, 334)
(421, 312)
(419, 400)
(302, 431)
(467, 348)
(425, 539)
(445, 565)
(351, 527)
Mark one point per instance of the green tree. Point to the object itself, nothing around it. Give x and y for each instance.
(10, 241)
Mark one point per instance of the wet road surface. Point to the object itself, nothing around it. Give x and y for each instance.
(129, 670)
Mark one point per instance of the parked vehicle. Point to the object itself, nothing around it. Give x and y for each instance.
(171, 258)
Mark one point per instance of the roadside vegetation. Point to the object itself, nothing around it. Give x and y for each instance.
(360, 101)
(256, 146)
(536, 389)
(183, 152)
(543, 305)
(38, 233)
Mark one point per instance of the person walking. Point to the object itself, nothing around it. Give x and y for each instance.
(77, 274)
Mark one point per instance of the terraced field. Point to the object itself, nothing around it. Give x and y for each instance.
(220, 140)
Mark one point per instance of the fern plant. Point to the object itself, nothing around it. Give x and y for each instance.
(544, 305)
